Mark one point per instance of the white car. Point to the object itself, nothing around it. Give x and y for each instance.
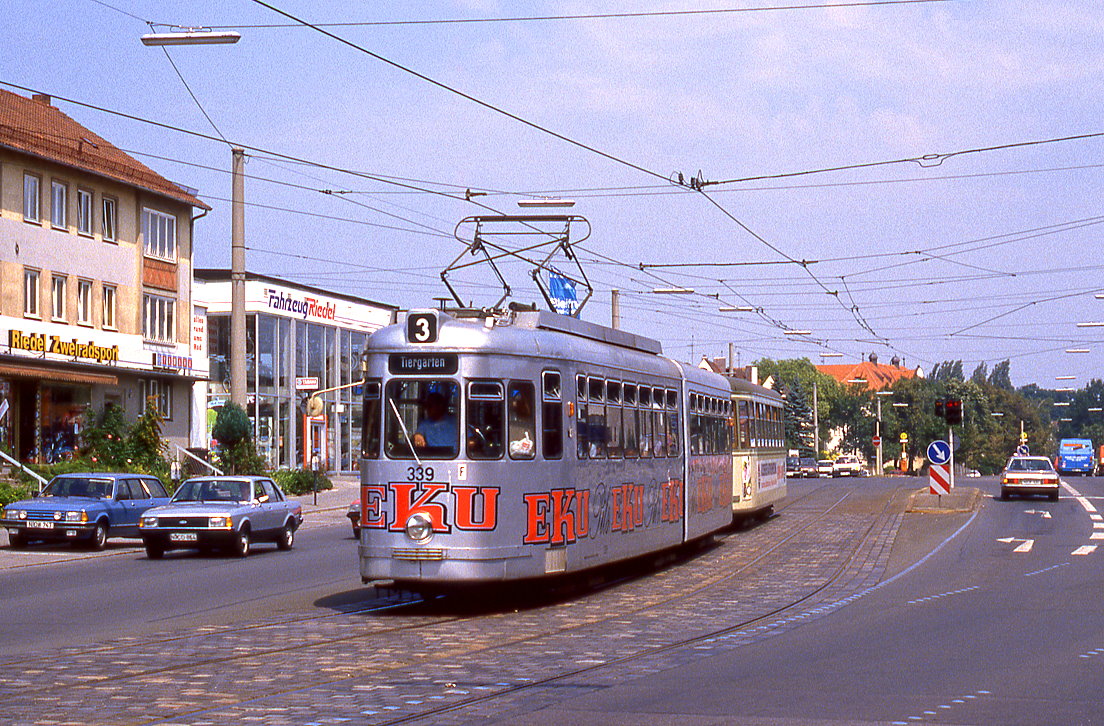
(1029, 475)
(824, 467)
(847, 465)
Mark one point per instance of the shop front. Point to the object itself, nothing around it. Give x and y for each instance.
(49, 379)
(298, 340)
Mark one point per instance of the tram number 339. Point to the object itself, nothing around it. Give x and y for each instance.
(421, 328)
(419, 473)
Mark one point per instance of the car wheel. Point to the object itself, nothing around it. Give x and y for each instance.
(99, 537)
(287, 537)
(154, 552)
(1003, 495)
(242, 543)
(1054, 497)
(17, 541)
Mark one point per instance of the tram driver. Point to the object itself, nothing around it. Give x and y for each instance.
(437, 428)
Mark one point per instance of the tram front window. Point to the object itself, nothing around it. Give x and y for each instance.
(422, 419)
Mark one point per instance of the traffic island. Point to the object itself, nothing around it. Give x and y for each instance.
(960, 499)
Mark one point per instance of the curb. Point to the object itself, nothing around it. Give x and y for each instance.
(961, 500)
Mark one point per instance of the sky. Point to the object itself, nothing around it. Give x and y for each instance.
(919, 180)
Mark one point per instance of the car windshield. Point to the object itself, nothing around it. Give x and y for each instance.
(207, 490)
(1029, 465)
(79, 486)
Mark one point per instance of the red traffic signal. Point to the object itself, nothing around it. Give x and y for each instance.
(940, 410)
(953, 410)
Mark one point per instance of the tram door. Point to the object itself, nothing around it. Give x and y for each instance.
(315, 428)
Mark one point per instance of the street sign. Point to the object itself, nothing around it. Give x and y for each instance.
(904, 437)
(939, 478)
(306, 383)
(877, 441)
(939, 452)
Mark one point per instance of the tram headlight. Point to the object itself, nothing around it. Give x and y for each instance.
(419, 527)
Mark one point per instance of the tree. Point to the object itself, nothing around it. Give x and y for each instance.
(233, 432)
(1001, 376)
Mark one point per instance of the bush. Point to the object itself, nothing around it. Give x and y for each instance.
(301, 481)
(14, 492)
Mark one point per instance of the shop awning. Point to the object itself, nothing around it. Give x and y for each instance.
(52, 373)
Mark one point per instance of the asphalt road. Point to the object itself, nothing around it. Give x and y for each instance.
(1004, 624)
(71, 598)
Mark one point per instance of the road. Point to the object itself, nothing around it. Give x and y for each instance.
(855, 605)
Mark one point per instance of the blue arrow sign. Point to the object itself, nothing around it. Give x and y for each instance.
(939, 452)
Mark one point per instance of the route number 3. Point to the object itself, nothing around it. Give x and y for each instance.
(421, 328)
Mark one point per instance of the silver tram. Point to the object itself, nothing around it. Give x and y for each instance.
(516, 445)
(758, 450)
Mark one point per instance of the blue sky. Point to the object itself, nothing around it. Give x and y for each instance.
(977, 256)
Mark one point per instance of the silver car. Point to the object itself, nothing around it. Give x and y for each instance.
(228, 512)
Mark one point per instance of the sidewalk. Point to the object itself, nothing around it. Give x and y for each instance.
(346, 488)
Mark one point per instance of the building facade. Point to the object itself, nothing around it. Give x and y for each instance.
(95, 284)
(299, 339)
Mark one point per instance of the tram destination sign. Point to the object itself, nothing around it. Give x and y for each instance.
(423, 364)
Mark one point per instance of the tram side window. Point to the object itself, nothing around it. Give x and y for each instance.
(484, 416)
(552, 415)
(370, 421)
(523, 420)
(597, 434)
(614, 448)
(582, 442)
(673, 421)
(659, 424)
(631, 438)
(421, 417)
(743, 423)
(644, 422)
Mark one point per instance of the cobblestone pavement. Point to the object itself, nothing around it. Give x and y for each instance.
(446, 665)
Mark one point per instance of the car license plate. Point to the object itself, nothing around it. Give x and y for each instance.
(183, 537)
(35, 524)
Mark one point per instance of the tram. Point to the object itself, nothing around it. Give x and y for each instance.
(758, 451)
(521, 444)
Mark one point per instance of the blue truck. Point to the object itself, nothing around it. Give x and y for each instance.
(1075, 456)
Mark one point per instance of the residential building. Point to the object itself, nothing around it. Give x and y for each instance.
(95, 283)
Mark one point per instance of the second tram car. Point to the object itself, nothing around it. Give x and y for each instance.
(516, 445)
(758, 451)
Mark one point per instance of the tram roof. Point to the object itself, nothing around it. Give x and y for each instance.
(739, 385)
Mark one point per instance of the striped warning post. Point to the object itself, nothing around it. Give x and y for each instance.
(939, 479)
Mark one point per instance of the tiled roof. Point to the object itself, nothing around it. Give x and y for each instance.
(36, 127)
(878, 377)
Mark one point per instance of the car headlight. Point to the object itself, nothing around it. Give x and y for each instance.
(219, 523)
(58, 516)
(81, 516)
(419, 527)
(17, 514)
(148, 522)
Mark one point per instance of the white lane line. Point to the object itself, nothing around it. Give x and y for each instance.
(1084, 550)
(1046, 569)
(929, 598)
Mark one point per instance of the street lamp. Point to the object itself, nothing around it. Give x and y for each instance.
(191, 36)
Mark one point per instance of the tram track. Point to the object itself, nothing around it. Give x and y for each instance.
(236, 658)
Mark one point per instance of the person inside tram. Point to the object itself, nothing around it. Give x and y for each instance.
(522, 423)
(437, 428)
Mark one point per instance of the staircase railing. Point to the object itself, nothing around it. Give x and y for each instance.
(42, 482)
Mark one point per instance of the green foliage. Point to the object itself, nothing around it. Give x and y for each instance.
(242, 458)
(10, 492)
(231, 426)
(301, 481)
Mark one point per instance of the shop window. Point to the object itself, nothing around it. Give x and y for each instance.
(59, 204)
(30, 292)
(109, 295)
(84, 302)
(57, 297)
(159, 233)
(84, 211)
(32, 198)
(158, 318)
(157, 392)
(108, 219)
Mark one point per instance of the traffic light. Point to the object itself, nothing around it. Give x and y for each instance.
(953, 410)
(940, 410)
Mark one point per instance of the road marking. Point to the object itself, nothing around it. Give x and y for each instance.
(1024, 546)
(1084, 550)
(1043, 512)
(942, 594)
(1047, 569)
(1097, 535)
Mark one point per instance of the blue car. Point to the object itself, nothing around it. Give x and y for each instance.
(84, 509)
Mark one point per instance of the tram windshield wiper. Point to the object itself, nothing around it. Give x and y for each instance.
(406, 434)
